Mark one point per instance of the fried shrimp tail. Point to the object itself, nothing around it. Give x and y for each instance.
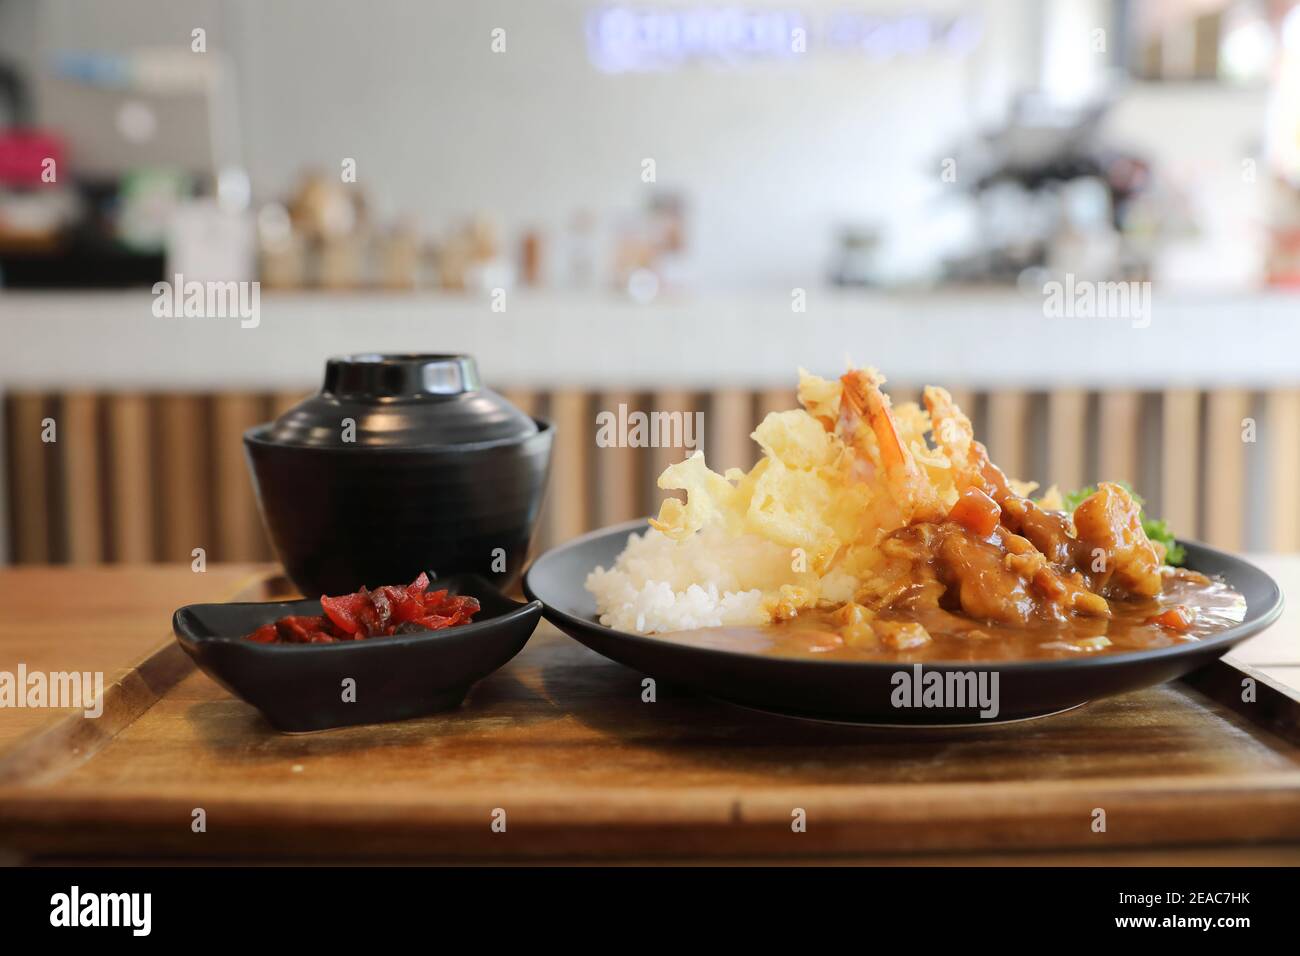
(864, 404)
(954, 433)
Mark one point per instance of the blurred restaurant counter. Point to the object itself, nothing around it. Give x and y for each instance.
(985, 338)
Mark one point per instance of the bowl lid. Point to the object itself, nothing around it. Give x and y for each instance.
(400, 401)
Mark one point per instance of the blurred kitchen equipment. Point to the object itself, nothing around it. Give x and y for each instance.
(34, 204)
(143, 186)
(855, 257)
(1048, 196)
(150, 108)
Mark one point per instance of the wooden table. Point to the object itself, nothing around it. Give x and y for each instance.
(561, 741)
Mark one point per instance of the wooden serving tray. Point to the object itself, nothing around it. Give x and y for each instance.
(561, 746)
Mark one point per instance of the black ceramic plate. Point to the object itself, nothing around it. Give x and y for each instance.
(864, 692)
(299, 687)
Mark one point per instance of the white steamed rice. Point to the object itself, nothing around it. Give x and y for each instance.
(653, 587)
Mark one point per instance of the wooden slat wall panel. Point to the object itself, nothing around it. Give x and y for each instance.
(1067, 436)
(1179, 459)
(1225, 474)
(238, 528)
(1283, 411)
(137, 478)
(1008, 424)
(528, 401)
(31, 474)
(266, 411)
(568, 497)
(727, 427)
(281, 402)
(1119, 414)
(776, 400)
(82, 479)
(618, 469)
(130, 460)
(184, 477)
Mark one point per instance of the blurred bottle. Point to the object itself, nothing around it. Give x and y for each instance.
(399, 257)
(580, 250)
(282, 252)
(530, 259)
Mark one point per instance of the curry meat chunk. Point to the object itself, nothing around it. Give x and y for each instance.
(1035, 564)
(1120, 556)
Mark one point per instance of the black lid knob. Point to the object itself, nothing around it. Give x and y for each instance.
(400, 376)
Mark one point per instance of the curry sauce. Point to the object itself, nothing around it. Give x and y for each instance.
(820, 634)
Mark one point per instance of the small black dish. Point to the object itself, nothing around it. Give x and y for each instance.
(299, 687)
(861, 692)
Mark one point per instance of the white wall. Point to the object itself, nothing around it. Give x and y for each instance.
(772, 156)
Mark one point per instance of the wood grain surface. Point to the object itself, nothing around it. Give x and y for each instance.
(561, 742)
(94, 619)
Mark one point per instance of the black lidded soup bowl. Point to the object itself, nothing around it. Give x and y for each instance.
(401, 463)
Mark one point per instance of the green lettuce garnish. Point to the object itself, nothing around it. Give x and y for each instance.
(1156, 528)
